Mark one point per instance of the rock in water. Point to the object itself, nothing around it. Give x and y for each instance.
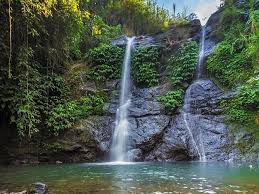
(41, 188)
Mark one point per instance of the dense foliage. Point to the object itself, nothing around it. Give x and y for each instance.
(135, 16)
(183, 63)
(235, 63)
(105, 62)
(63, 116)
(172, 99)
(145, 65)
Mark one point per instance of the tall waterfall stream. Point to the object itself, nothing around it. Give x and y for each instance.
(197, 142)
(120, 135)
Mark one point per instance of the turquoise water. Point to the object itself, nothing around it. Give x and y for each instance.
(156, 178)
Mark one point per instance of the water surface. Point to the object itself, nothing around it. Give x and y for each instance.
(107, 178)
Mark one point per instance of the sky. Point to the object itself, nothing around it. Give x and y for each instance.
(202, 8)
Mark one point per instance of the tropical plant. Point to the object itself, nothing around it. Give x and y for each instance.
(105, 62)
(145, 62)
(172, 99)
(63, 116)
(183, 63)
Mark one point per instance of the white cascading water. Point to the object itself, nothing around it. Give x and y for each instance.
(199, 147)
(200, 68)
(120, 135)
(186, 110)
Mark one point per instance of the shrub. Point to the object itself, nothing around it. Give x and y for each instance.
(147, 75)
(172, 99)
(182, 65)
(145, 61)
(105, 62)
(243, 107)
(230, 63)
(63, 116)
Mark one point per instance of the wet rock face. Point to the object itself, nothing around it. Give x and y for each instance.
(205, 97)
(208, 131)
(144, 102)
(147, 122)
(148, 132)
(155, 136)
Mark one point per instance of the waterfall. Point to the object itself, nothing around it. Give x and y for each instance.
(200, 68)
(186, 110)
(198, 143)
(120, 135)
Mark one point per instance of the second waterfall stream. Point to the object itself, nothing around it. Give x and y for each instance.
(120, 135)
(196, 139)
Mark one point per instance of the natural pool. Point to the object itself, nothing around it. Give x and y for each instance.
(106, 178)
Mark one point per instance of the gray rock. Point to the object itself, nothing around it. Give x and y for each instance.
(173, 145)
(112, 85)
(135, 155)
(140, 41)
(142, 107)
(202, 129)
(205, 97)
(143, 103)
(212, 34)
(101, 128)
(174, 35)
(148, 132)
(41, 188)
(156, 136)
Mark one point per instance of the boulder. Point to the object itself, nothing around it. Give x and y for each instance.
(41, 188)
(148, 132)
(101, 128)
(135, 155)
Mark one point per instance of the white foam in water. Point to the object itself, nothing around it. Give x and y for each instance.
(112, 163)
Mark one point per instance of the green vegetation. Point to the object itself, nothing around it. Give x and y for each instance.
(105, 62)
(145, 64)
(182, 65)
(235, 62)
(137, 17)
(63, 116)
(172, 99)
(242, 110)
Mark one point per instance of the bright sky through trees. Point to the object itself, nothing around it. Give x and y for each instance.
(203, 8)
